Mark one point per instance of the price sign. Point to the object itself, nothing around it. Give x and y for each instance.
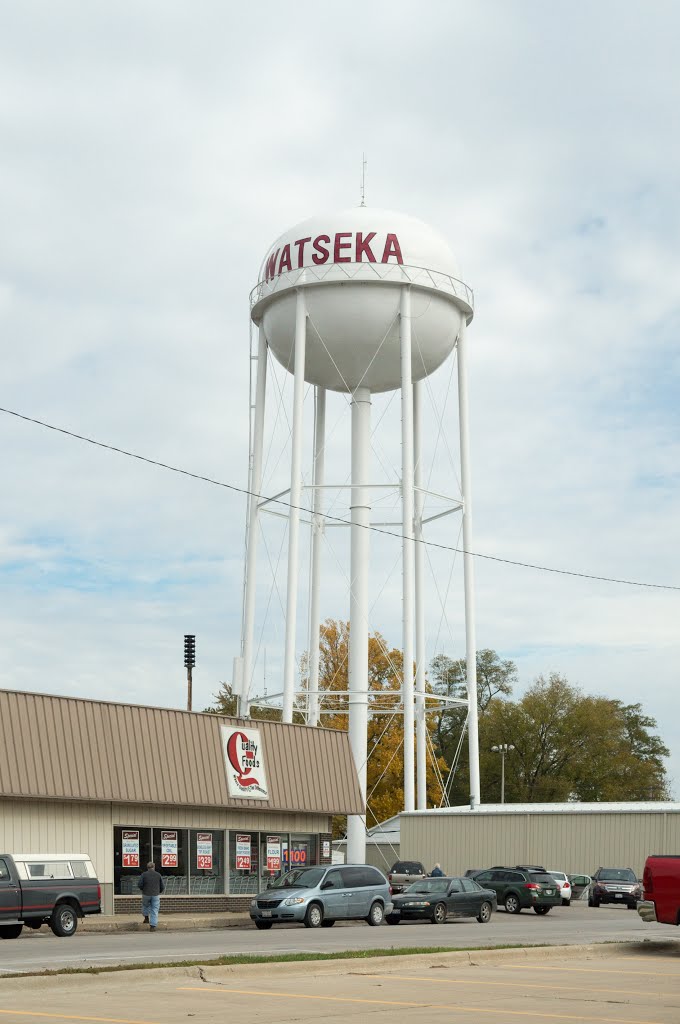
(204, 855)
(273, 853)
(130, 842)
(169, 857)
(243, 861)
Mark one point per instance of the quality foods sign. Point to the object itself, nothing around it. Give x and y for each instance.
(244, 761)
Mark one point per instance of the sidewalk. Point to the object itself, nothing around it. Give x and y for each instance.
(166, 922)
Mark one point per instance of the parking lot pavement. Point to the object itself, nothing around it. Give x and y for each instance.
(634, 985)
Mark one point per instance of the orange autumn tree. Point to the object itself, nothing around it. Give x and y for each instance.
(385, 768)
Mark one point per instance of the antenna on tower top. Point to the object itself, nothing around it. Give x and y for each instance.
(363, 179)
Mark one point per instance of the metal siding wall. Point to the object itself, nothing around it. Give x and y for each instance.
(46, 826)
(570, 842)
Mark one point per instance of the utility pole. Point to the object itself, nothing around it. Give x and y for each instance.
(189, 663)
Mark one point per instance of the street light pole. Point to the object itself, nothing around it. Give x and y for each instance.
(503, 749)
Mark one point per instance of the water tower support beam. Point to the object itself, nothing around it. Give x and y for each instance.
(255, 484)
(317, 537)
(408, 569)
(468, 569)
(421, 754)
(295, 500)
(360, 516)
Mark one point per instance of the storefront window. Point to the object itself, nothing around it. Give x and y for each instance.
(303, 850)
(206, 862)
(273, 855)
(170, 857)
(244, 863)
(131, 854)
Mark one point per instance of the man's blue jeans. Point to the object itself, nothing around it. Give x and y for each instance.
(150, 907)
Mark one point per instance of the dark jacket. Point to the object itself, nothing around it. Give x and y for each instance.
(436, 873)
(151, 883)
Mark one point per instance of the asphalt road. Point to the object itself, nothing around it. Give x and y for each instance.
(639, 985)
(563, 926)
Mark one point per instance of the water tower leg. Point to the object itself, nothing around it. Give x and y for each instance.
(248, 630)
(408, 568)
(358, 611)
(315, 571)
(468, 569)
(419, 501)
(295, 500)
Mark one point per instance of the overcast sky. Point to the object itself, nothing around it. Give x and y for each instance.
(149, 154)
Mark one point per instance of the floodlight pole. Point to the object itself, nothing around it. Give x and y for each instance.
(468, 569)
(294, 511)
(317, 538)
(360, 517)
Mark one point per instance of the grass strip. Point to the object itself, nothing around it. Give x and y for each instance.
(275, 958)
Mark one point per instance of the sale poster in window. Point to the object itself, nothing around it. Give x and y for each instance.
(243, 853)
(169, 856)
(204, 851)
(130, 840)
(273, 853)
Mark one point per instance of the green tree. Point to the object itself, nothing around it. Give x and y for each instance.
(448, 677)
(571, 746)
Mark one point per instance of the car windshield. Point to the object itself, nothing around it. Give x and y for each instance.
(617, 874)
(541, 877)
(407, 867)
(559, 875)
(299, 878)
(429, 885)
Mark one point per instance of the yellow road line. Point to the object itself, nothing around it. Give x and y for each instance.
(499, 984)
(419, 1006)
(586, 970)
(70, 1016)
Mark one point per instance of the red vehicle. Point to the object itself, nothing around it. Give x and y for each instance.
(661, 881)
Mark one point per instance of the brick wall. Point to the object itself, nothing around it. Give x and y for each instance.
(185, 904)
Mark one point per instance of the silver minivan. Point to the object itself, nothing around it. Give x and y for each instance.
(320, 896)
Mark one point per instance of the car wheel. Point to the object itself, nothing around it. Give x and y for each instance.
(512, 904)
(263, 926)
(328, 924)
(10, 931)
(632, 906)
(376, 914)
(542, 910)
(439, 913)
(64, 920)
(484, 915)
(393, 918)
(314, 916)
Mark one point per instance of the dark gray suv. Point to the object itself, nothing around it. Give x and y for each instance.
(319, 896)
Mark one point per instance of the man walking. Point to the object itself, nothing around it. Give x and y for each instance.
(152, 884)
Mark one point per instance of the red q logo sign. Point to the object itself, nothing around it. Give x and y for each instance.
(242, 754)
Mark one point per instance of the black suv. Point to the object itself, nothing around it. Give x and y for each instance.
(522, 886)
(614, 885)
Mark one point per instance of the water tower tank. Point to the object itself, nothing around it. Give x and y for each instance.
(352, 265)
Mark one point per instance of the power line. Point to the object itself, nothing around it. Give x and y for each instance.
(337, 519)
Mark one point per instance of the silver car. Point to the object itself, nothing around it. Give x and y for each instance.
(320, 896)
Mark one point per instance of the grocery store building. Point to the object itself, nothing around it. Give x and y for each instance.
(222, 805)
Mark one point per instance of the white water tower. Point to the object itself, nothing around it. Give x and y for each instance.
(336, 303)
